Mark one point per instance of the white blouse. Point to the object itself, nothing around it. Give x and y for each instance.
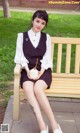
(46, 61)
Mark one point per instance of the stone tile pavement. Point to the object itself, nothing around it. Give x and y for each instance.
(66, 111)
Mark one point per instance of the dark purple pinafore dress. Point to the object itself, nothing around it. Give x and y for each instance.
(32, 54)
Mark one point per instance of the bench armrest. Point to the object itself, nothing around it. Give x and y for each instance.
(17, 69)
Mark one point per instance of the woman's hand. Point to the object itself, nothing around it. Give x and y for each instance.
(40, 73)
(28, 71)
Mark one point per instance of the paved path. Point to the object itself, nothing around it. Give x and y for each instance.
(67, 113)
(55, 11)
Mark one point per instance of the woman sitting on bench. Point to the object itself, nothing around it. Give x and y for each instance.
(33, 52)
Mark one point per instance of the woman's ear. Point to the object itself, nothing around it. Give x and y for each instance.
(32, 21)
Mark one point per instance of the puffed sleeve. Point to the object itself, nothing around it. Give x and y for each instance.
(19, 56)
(47, 60)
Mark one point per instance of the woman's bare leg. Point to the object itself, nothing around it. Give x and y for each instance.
(28, 88)
(39, 88)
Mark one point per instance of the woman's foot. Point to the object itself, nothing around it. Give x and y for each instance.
(45, 131)
(58, 130)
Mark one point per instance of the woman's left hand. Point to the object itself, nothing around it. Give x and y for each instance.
(40, 73)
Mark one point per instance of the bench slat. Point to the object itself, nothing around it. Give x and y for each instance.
(77, 59)
(68, 58)
(66, 75)
(65, 40)
(59, 58)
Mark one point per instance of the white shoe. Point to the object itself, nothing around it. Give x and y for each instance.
(58, 130)
(45, 131)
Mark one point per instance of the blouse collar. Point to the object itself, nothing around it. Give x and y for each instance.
(33, 33)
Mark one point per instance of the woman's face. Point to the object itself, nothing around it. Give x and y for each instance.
(38, 24)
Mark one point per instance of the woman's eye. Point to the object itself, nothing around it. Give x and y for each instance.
(43, 23)
(37, 21)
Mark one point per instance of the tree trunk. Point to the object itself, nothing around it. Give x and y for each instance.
(6, 9)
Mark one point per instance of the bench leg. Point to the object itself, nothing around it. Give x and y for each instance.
(16, 102)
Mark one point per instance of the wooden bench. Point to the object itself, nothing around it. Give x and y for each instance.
(64, 82)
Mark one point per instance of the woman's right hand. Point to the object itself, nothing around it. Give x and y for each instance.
(28, 74)
(27, 71)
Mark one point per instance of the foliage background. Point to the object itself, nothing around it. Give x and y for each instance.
(59, 25)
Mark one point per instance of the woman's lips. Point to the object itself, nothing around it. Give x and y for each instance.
(37, 28)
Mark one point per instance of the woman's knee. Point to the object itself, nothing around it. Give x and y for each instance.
(39, 87)
(28, 87)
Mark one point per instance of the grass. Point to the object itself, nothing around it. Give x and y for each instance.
(59, 25)
(5, 92)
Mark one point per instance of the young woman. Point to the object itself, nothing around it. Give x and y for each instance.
(33, 52)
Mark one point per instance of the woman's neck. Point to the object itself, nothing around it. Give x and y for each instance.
(34, 31)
